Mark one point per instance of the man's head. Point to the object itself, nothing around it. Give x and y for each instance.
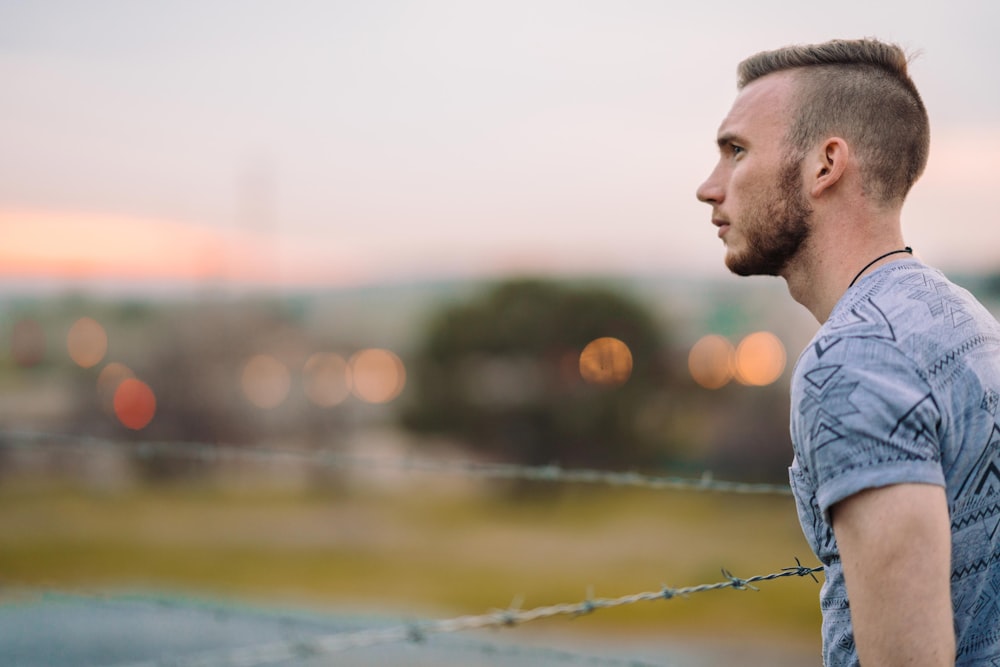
(859, 90)
(797, 109)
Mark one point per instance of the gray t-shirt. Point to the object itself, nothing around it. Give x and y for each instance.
(902, 384)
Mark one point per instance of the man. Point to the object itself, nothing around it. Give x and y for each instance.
(894, 418)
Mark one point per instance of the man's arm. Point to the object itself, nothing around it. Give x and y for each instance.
(895, 547)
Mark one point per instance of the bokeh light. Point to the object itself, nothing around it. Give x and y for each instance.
(711, 361)
(606, 362)
(135, 403)
(266, 381)
(27, 343)
(326, 379)
(377, 375)
(108, 380)
(87, 342)
(760, 359)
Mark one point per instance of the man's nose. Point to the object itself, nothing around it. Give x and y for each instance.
(710, 192)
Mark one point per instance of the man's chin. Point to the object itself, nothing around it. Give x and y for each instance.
(743, 266)
(736, 264)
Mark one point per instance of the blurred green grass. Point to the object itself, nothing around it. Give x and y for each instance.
(428, 549)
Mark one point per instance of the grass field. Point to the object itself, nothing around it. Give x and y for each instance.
(429, 549)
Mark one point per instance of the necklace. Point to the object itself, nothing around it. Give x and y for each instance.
(907, 250)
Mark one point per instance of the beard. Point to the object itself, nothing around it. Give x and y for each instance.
(776, 226)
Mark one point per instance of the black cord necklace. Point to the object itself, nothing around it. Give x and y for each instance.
(907, 249)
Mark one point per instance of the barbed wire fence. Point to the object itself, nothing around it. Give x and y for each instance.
(419, 632)
(304, 647)
(220, 453)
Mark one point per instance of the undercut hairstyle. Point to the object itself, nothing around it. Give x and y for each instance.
(859, 90)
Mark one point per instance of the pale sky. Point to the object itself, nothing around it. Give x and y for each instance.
(382, 140)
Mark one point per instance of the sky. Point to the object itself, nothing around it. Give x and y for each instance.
(340, 143)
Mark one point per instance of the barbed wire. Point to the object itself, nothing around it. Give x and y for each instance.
(303, 648)
(331, 459)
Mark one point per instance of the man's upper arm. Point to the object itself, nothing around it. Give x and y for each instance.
(895, 548)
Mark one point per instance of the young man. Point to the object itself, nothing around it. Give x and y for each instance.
(894, 417)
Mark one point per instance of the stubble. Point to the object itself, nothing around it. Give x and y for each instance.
(775, 227)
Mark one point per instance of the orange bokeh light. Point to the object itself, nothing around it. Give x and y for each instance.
(377, 375)
(711, 361)
(87, 342)
(327, 379)
(606, 362)
(760, 359)
(266, 381)
(134, 403)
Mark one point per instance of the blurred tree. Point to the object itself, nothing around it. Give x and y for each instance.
(502, 373)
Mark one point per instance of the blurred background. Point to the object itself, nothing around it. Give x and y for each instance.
(382, 232)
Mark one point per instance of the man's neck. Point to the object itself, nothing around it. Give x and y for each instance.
(822, 271)
(808, 287)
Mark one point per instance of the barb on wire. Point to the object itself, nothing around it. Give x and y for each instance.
(331, 459)
(334, 643)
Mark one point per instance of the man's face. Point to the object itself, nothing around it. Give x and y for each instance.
(756, 189)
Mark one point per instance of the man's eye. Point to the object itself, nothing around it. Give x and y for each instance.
(736, 150)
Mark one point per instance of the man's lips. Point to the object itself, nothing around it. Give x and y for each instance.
(723, 226)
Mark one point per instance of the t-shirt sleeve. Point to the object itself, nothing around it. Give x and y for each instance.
(864, 418)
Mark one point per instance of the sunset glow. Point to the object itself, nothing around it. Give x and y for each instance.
(71, 246)
(84, 245)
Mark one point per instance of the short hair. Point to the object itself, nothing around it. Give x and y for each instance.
(859, 90)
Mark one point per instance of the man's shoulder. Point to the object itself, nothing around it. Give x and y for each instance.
(907, 307)
(906, 293)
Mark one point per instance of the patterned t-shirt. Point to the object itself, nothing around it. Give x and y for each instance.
(902, 384)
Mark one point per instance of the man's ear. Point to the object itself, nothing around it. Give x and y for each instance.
(828, 165)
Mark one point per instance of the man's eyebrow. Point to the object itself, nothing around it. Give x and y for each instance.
(728, 138)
